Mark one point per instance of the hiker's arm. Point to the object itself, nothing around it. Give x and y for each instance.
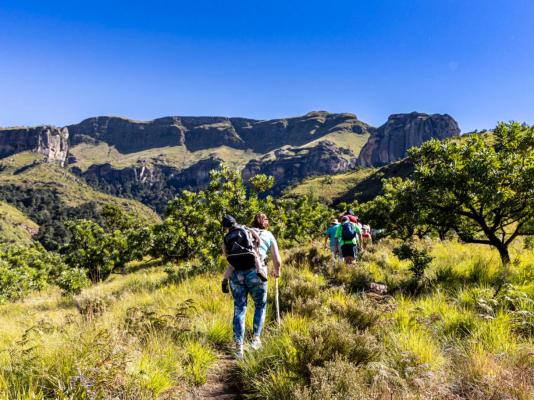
(229, 271)
(277, 261)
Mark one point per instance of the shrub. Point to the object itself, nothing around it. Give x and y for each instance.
(328, 341)
(24, 269)
(72, 281)
(336, 380)
(419, 258)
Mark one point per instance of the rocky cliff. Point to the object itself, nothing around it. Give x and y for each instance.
(198, 133)
(391, 141)
(50, 141)
(290, 165)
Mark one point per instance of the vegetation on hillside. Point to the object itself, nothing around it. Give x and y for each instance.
(74, 328)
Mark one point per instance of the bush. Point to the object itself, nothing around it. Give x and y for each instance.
(72, 281)
(337, 380)
(24, 269)
(329, 341)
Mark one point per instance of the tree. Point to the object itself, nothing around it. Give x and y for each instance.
(482, 188)
(91, 249)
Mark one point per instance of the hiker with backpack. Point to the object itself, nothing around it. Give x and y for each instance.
(246, 251)
(348, 237)
(330, 235)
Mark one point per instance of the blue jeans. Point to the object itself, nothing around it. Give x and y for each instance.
(242, 283)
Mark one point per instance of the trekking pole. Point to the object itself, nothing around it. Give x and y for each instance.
(276, 301)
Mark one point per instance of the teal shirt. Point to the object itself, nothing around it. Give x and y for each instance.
(331, 233)
(266, 242)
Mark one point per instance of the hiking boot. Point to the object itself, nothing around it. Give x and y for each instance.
(239, 354)
(256, 343)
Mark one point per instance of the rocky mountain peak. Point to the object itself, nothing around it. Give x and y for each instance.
(50, 141)
(391, 141)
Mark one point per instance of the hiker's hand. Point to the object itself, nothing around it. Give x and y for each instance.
(224, 286)
(275, 273)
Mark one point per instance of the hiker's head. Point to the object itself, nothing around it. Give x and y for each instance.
(350, 212)
(334, 221)
(228, 221)
(261, 221)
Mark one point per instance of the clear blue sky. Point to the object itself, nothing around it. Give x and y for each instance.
(63, 61)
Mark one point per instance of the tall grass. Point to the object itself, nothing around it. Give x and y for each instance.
(140, 336)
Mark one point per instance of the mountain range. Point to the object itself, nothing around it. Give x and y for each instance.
(54, 173)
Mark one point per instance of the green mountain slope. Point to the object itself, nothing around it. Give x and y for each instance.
(28, 171)
(15, 227)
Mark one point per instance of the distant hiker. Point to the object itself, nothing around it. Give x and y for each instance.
(367, 238)
(246, 252)
(350, 215)
(330, 235)
(348, 236)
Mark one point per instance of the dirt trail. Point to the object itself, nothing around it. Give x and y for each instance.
(220, 383)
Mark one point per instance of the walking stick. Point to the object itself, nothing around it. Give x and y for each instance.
(276, 301)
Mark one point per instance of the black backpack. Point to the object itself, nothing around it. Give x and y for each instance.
(240, 248)
(348, 232)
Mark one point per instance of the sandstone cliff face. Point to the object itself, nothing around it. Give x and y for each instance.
(290, 165)
(50, 141)
(194, 177)
(198, 133)
(391, 141)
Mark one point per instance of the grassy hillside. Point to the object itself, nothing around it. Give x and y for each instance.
(15, 226)
(345, 139)
(26, 170)
(120, 339)
(330, 188)
(177, 156)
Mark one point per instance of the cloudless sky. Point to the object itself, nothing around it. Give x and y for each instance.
(64, 61)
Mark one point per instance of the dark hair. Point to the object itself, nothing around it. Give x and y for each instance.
(228, 221)
(258, 221)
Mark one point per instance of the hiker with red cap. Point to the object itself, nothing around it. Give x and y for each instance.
(348, 237)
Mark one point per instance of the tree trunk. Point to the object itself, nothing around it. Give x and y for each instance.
(505, 259)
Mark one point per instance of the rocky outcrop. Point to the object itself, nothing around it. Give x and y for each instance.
(50, 141)
(391, 141)
(159, 176)
(198, 133)
(290, 165)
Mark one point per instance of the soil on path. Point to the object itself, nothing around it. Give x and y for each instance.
(220, 384)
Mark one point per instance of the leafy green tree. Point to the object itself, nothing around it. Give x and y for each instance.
(90, 249)
(184, 230)
(481, 187)
(25, 269)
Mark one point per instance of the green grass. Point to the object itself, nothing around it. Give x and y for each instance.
(329, 188)
(334, 341)
(15, 226)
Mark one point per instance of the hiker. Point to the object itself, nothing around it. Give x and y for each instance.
(367, 239)
(350, 215)
(348, 237)
(330, 235)
(247, 273)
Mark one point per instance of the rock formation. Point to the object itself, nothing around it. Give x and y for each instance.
(391, 141)
(198, 133)
(50, 141)
(195, 176)
(290, 165)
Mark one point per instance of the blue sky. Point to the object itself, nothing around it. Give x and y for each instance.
(63, 61)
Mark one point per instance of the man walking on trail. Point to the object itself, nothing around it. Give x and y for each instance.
(330, 235)
(247, 255)
(348, 237)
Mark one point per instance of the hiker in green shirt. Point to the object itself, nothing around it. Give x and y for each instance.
(348, 236)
